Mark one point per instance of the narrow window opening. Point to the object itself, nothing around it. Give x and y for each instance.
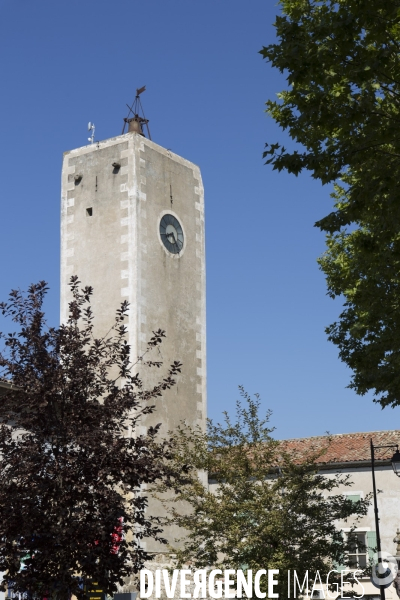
(89, 212)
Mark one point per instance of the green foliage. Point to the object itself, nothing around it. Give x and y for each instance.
(262, 509)
(342, 106)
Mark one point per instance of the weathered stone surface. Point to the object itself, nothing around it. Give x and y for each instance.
(110, 239)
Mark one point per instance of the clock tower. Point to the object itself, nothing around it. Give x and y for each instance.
(132, 227)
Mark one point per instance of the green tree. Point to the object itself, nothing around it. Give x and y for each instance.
(71, 472)
(263, 509)
(342, 106)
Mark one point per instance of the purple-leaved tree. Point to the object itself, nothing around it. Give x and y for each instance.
(72, 464)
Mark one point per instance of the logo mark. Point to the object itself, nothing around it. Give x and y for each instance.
(384, 572)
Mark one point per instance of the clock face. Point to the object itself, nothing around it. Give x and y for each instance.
(171, 234)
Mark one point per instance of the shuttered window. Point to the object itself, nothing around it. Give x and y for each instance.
(353, 497)
(362, 551)
(371, 544)
(358, 554)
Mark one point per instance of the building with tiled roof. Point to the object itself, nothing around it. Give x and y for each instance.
(350, 454)
(345, 448)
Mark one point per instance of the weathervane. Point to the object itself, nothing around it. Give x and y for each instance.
(136, 122)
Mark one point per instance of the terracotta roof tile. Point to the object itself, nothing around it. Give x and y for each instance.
(345, 447)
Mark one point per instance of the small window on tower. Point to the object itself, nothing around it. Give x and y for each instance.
(89, 212)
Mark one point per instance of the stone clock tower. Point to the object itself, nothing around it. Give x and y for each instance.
(132, 227)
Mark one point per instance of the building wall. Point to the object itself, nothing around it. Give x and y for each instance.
(110, 239)
(388, 505)
(360, 484)
(118, 251)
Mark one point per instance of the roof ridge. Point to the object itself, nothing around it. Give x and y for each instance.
(337, 435)
(342, 447)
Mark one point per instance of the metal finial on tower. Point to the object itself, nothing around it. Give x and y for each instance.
(136, 122)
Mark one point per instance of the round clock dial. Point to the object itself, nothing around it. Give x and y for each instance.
(171, 234)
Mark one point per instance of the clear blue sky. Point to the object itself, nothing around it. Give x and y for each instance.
(67, 62)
